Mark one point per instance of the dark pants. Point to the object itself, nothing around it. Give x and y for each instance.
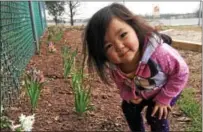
(134, 118)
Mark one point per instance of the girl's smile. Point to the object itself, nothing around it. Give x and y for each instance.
(123, 54)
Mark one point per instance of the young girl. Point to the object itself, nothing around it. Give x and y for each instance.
(147, 70)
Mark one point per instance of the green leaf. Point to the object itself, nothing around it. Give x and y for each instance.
(33, 90)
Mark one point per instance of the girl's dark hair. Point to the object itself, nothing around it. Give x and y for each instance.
(94, 33)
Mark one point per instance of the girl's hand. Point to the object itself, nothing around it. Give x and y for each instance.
(163, 110)
(136, 101)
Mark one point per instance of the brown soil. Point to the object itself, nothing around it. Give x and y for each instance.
(55, 111)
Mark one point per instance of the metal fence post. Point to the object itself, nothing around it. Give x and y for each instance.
(36, 40)
(1, 50)
(45, 20)
(40, 10)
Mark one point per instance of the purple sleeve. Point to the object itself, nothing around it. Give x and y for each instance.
(176, 70)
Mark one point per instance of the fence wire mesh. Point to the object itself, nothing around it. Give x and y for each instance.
(17, 45)
(37, 18)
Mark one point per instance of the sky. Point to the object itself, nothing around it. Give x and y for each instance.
(87, 9)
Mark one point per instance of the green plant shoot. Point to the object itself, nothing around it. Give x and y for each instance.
(33, 83)
(68, 60)
(82, 95)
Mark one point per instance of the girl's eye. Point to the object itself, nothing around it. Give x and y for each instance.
(123, 34)
(108, 46)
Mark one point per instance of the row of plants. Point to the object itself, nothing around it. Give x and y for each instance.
(34, 81)
(82, 93)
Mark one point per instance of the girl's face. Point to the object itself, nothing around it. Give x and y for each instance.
(121, 43)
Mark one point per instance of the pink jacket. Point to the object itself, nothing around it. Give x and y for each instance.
(161, 74)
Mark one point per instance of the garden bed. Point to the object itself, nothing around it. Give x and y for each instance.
(55, 111)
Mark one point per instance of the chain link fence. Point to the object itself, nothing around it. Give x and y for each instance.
(21, 25)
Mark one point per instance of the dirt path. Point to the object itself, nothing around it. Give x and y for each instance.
(55, 111)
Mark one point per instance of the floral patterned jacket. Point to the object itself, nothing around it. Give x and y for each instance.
(161, 73)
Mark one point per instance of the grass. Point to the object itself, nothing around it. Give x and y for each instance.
(192, 109)
(55, 33)
(58, 36)
(183, 28)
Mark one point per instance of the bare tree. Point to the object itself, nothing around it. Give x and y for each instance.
(56, 9)
(73, 6)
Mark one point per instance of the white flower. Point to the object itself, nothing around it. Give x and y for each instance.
(27, 122)
(22, 118)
